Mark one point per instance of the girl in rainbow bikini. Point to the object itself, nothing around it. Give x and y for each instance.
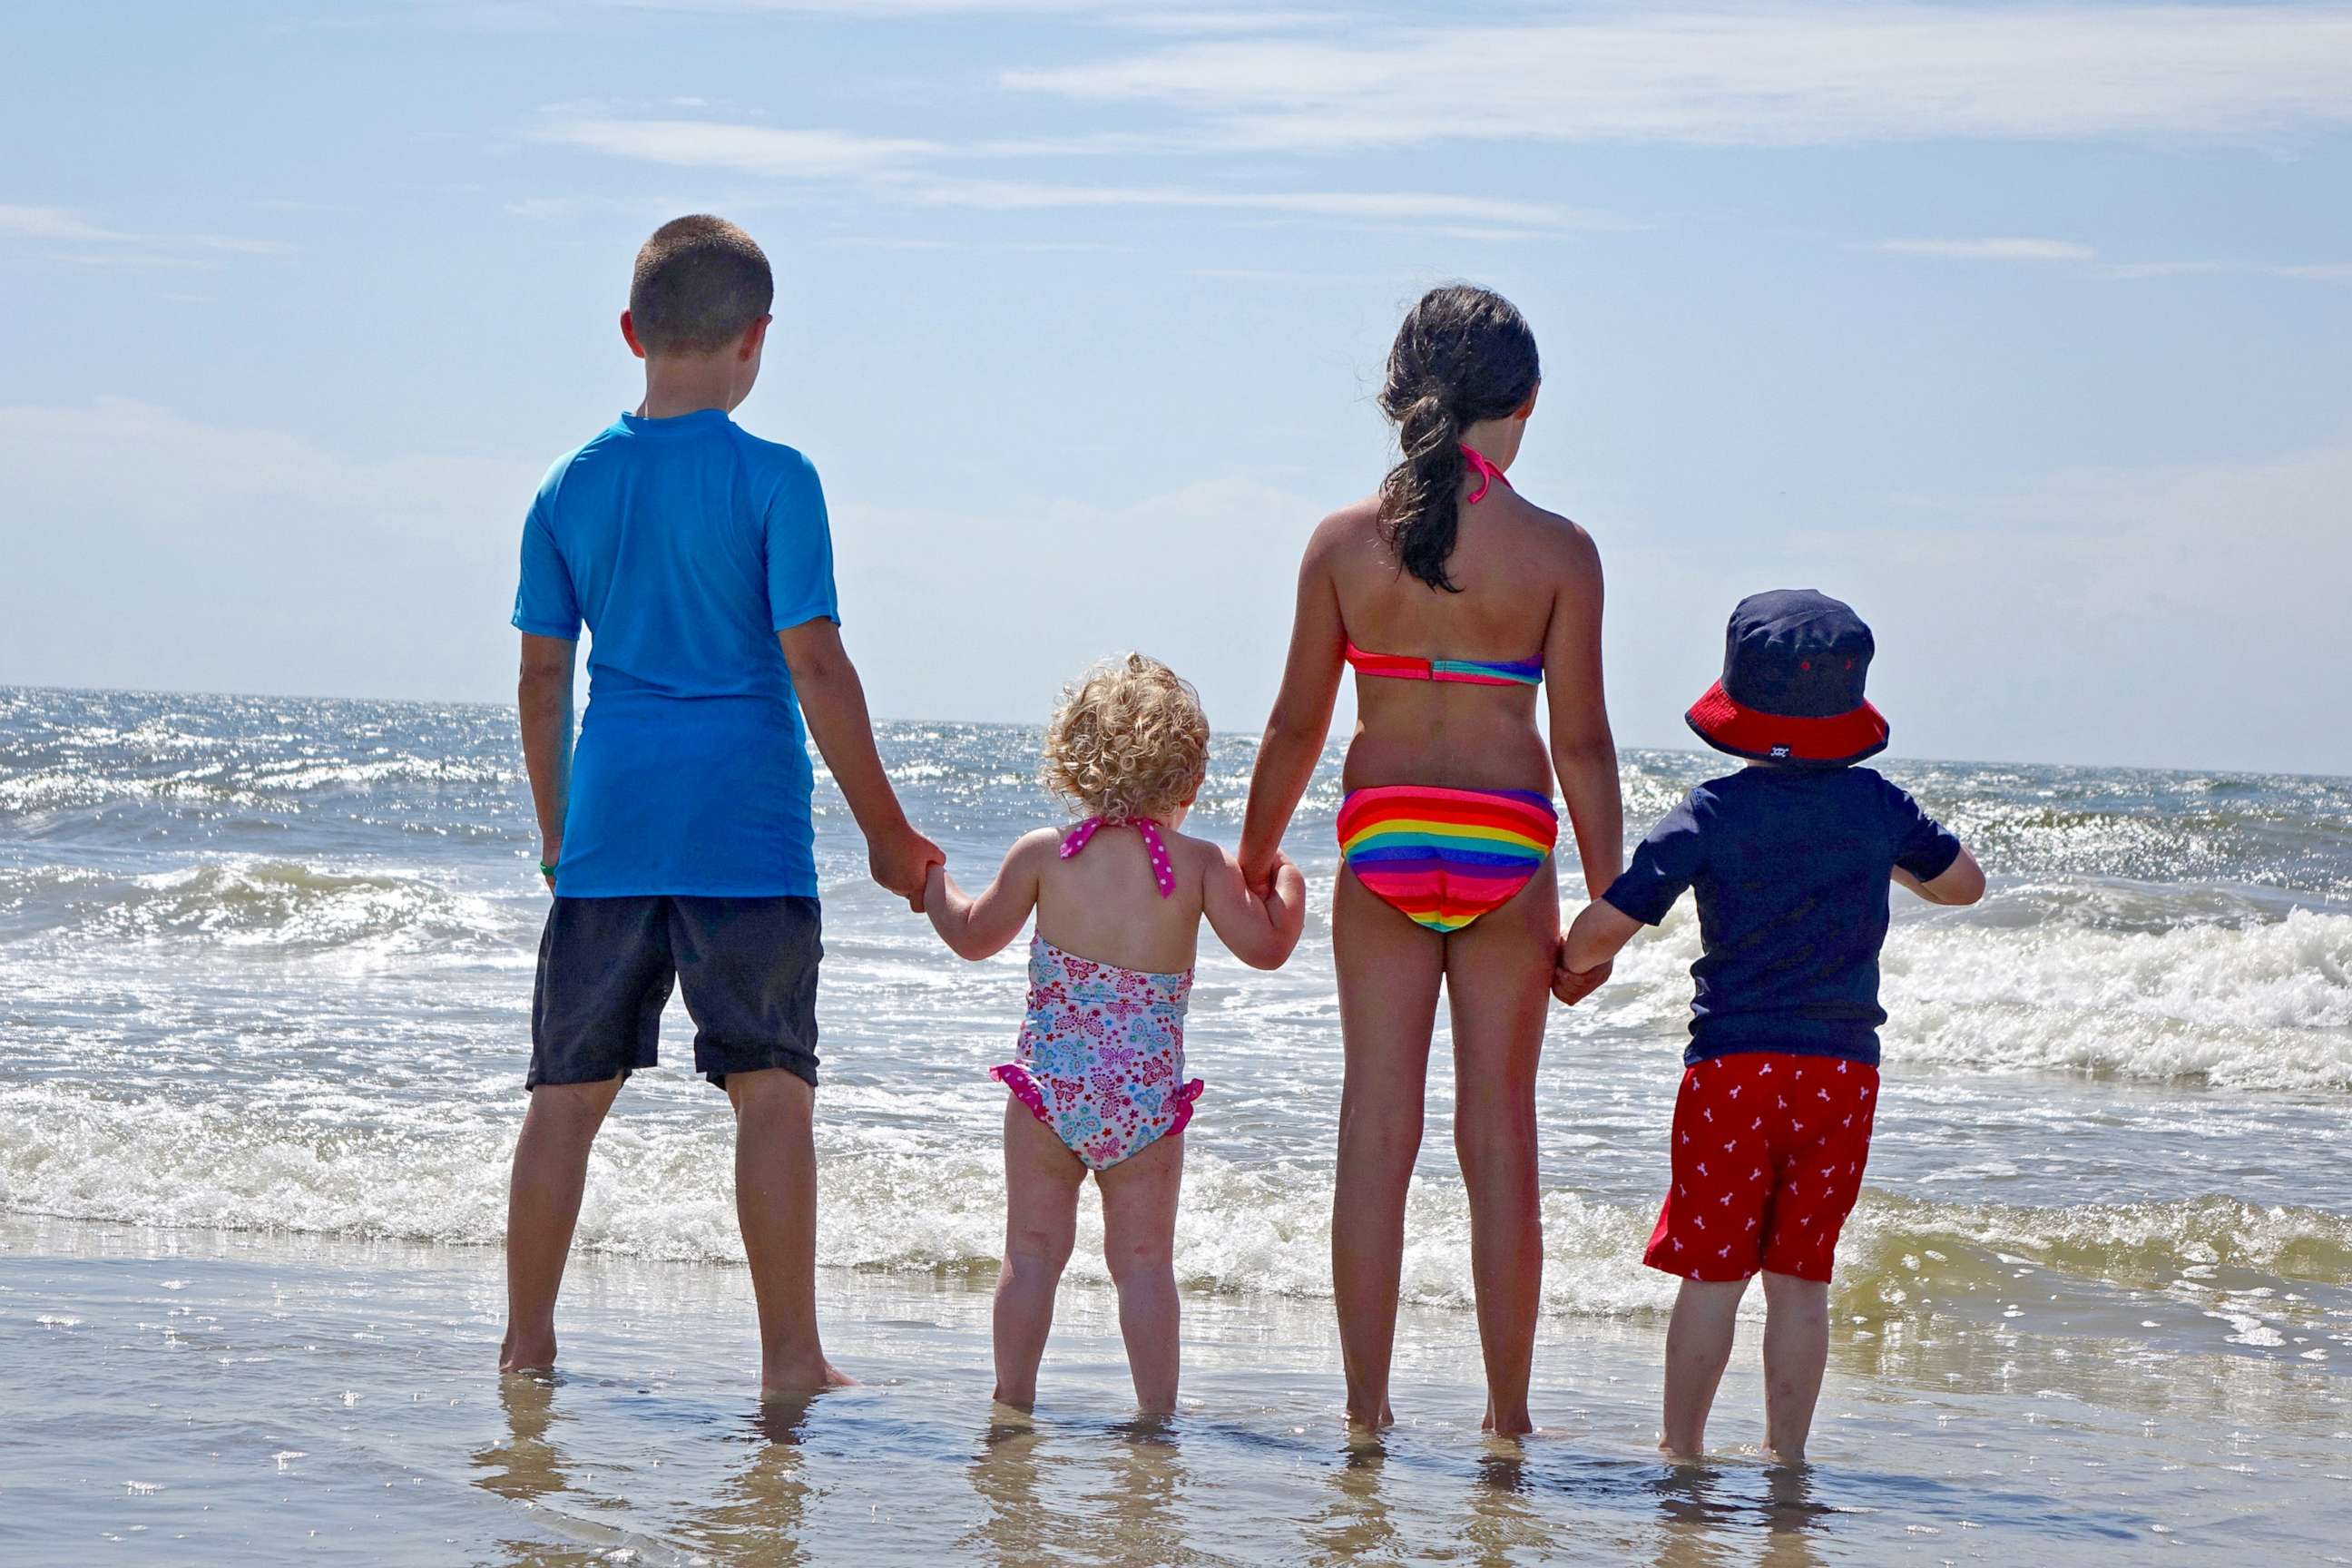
(1475, 599)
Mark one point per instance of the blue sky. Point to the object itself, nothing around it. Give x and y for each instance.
(2022, 326)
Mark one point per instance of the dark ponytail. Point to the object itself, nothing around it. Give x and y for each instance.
(1463, 354)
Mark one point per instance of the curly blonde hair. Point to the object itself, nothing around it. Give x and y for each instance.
(1127, 739)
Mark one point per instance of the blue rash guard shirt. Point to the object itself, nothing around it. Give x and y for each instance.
(1791, 867)
(684, 546)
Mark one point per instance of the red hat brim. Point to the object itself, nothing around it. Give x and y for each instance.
(1744, 731)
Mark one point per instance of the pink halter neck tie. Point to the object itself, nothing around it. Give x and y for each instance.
(1163, 874)
(1486, 471)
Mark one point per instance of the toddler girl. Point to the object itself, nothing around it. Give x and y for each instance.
(1097, 1082)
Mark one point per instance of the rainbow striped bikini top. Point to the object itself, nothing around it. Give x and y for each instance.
(1469, 672)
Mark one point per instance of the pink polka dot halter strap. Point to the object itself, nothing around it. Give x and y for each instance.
(1162, 872)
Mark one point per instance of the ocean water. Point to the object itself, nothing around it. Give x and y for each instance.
(265, 969)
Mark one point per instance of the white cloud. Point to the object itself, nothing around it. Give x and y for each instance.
(95, 243)
(2074, 253)
(1991, 250)
(910, 172)
(1813, 72)
(753, 149)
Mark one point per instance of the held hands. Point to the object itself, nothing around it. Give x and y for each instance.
(1573, 985)
(902, 861)
(1260, 872)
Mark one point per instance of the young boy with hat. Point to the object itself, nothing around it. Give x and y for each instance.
(1789, 859)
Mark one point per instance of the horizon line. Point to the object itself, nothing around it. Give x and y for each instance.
(1241, 734)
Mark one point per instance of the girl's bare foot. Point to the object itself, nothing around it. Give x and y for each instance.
(1517, 1424)
(534, 1352)
(782, 1384)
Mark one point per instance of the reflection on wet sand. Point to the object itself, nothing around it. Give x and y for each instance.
(1355, 1524)
(1037, 1512)
(1007, 1473)
(756, 1516)
(1143, 1497)
(1704, 1521)
(1502, 1519)
(531, 1467)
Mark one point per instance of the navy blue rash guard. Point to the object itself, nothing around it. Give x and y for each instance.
(1790, 867)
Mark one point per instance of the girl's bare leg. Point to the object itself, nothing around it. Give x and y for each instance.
(1041, 1223)
(1138, 1198)
(1389, 972)
(1498, 987)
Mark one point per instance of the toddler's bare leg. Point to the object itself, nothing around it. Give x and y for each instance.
(1140, 1244)
(1796, 1349)
(1699, 1346)
(1040, 1224)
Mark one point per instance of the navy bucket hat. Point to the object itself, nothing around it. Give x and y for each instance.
(1794, 661)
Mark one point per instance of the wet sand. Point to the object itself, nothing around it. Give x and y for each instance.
(199, 1396)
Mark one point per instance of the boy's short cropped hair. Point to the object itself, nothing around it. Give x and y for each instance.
(700, 282)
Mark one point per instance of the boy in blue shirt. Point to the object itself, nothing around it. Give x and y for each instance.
(1791, 860)
(677, 839)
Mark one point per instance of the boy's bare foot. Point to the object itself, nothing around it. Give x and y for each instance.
(1674, 1456)
(533, 1353)
(788, 1384)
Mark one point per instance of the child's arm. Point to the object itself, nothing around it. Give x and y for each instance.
(1930, 857)
(543, 701)
(1664, 865)
(1596, 936)
(1583, 751)
(1260, 930)
(1961, 882)
(833, 701)
(979, 928)
(1301, 719)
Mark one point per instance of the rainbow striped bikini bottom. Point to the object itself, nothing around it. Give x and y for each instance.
(1444, 856)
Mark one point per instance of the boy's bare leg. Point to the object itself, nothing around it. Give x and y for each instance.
(775, 1203)
(550, 1170)
(1698, 1347)
(1140, 1245)
(1796, 1349)
(1040, 1224)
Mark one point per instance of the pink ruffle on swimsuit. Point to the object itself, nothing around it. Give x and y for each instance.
(1101, 1058)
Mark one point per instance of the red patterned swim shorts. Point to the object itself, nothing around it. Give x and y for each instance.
(1769, 1152)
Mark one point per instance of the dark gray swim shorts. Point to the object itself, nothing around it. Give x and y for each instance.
(606, 966)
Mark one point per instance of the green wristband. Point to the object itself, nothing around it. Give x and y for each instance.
(547, 870)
